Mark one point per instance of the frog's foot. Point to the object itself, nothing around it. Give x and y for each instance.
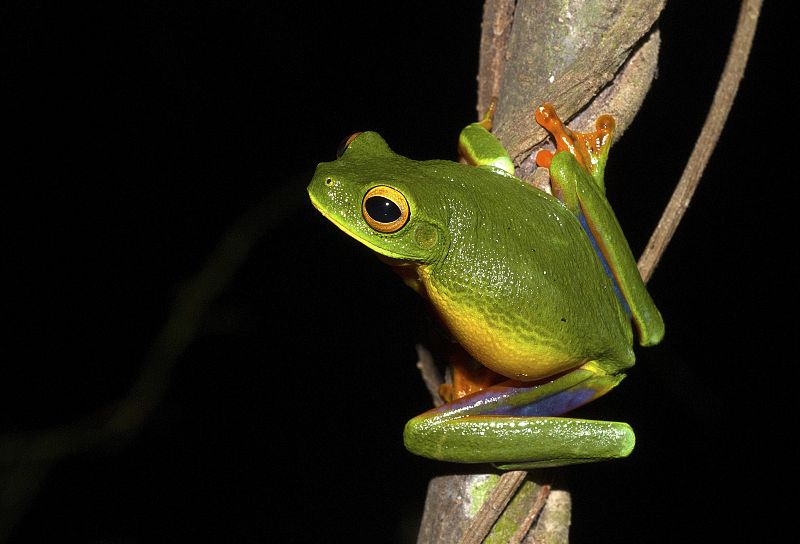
(590, 149)
(511, 424)
(467, 376)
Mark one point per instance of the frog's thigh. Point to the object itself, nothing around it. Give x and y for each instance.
(510, 424)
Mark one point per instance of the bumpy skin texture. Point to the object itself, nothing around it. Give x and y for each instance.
(512, 272)
(516, 279)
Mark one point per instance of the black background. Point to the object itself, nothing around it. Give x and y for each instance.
(142, 132)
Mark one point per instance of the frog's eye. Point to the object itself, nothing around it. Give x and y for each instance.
(344, 143)
(385, 209)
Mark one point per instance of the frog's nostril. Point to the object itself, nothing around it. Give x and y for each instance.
(329, 182)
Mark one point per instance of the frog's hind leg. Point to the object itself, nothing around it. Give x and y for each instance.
(512, 424)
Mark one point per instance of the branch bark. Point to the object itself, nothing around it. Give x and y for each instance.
(604, 63)
(603, 45)
(565, 53)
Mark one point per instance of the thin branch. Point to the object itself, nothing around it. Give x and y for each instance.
(487, 516)
(535, 510)
(430, 374)
(552, 523)
(707, 141)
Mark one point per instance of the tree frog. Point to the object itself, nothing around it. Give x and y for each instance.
(540, 289)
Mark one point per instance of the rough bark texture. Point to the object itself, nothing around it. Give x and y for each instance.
(565, 52)
(489, 508)
(586, 57)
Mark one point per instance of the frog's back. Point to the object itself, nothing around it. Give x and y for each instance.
(520, 286)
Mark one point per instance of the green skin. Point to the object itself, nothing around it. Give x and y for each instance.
(515, 277)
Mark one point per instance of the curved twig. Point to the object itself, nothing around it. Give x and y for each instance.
(707, 141)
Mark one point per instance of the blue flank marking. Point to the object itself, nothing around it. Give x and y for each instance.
(554, 405)
(603, 261)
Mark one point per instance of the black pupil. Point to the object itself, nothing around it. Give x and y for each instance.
(382, 210)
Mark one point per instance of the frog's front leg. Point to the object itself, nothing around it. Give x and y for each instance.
(479, 147)
(511, 424)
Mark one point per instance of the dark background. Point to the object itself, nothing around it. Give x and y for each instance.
(142, 132)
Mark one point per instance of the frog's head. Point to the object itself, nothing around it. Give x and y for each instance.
(385, 201)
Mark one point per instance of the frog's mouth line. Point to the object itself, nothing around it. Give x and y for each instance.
(341, 226)
(319, 208)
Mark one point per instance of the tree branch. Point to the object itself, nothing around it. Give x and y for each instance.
(709, 135)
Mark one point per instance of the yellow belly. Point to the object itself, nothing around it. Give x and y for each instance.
(516, 354)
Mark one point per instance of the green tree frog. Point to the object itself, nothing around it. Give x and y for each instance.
(540, 289)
